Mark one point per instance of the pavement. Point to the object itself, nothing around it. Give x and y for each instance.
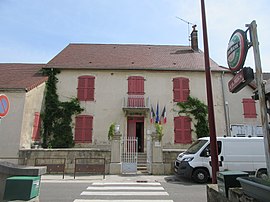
(108, 178)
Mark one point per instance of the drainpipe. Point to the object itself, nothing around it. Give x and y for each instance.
(226, 107)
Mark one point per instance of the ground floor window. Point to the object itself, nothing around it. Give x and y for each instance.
(83, 129)
(182, 130)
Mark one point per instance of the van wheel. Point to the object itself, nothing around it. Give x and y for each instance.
(200, 175)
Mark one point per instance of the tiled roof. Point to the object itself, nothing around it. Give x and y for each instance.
(15, 76)
(130, 56)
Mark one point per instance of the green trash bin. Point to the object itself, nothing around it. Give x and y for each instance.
(22, 187)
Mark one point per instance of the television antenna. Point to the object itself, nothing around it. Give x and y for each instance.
(188, 25)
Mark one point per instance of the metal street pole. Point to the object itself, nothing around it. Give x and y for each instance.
(211, 116)
(261, 91)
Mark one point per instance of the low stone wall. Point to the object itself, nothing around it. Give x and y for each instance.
(169, 157)
(69, 154)
(235, 195)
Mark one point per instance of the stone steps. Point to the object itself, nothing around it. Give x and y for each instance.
(142, 163)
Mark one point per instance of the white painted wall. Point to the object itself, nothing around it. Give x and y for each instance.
(111, 87)
(10, 126)
(17, 126)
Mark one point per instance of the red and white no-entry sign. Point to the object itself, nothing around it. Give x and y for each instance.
(4, 105)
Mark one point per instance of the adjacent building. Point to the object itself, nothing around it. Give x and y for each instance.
(24, 86)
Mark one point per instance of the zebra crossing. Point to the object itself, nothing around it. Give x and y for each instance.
(124, 192)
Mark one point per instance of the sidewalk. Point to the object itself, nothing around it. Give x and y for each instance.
(108, 178)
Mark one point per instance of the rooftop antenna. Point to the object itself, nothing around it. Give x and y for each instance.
(188, 25)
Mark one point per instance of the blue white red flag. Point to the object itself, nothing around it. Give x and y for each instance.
(164, 115)
(157, 114)
(152, 115)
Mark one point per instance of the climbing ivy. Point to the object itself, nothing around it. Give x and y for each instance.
(194, 108)
(57, 115)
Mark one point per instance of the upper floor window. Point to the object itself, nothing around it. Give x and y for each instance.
(135, 85)
(180, 89)
(249, 108)
(86, 88)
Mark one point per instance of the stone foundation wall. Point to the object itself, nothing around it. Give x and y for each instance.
(169, 157)
(69, 154)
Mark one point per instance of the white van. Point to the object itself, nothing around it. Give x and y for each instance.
(234, 153)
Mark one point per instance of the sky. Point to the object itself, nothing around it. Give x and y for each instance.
(34, 31)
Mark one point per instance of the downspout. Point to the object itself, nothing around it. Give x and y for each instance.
(226, 107)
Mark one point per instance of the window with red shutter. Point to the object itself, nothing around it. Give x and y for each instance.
(83, 129)
(135, 91)
(86, 88)
(180, 89)
(36, 127)
(135, 85)
(249, 108)
(182, 130)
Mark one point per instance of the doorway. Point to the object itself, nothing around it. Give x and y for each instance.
(135, 126)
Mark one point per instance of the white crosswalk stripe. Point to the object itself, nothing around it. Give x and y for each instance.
(124, 192)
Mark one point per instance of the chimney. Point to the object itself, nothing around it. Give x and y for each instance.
(194, 38)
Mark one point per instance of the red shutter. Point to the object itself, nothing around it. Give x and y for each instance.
(36, 127)
(180, 89)
(185, 89)
(135, 85)
(182, 130)
(86, 88)
(88, 127)
(249, 108)
(176, 90)
(79, 132)
(90, 88)
(80, 89)
(83, 129)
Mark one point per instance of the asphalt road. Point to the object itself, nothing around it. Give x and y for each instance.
(121, 188)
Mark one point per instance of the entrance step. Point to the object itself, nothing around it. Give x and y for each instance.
(142, 163)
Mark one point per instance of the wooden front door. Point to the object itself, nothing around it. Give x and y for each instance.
(135, 128)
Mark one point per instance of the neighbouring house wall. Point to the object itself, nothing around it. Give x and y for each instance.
(111, 87)
(33, 103)
(11, 124)
(235, 105)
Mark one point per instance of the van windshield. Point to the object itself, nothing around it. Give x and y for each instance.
(195, 147)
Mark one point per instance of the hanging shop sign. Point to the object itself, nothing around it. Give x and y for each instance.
(241, 79)
(237, 50)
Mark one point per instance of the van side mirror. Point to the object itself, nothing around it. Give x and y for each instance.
(205, 152)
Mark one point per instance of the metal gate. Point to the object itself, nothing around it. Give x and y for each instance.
(129, 155)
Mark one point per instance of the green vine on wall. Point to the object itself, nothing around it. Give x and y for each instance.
(194, 108)
(57, 115)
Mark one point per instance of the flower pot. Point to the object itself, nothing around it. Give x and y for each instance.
(256, 187)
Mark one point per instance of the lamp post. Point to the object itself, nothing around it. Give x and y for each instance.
(211, 116)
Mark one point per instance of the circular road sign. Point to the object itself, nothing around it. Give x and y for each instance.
(237, 50)
(4, 105)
